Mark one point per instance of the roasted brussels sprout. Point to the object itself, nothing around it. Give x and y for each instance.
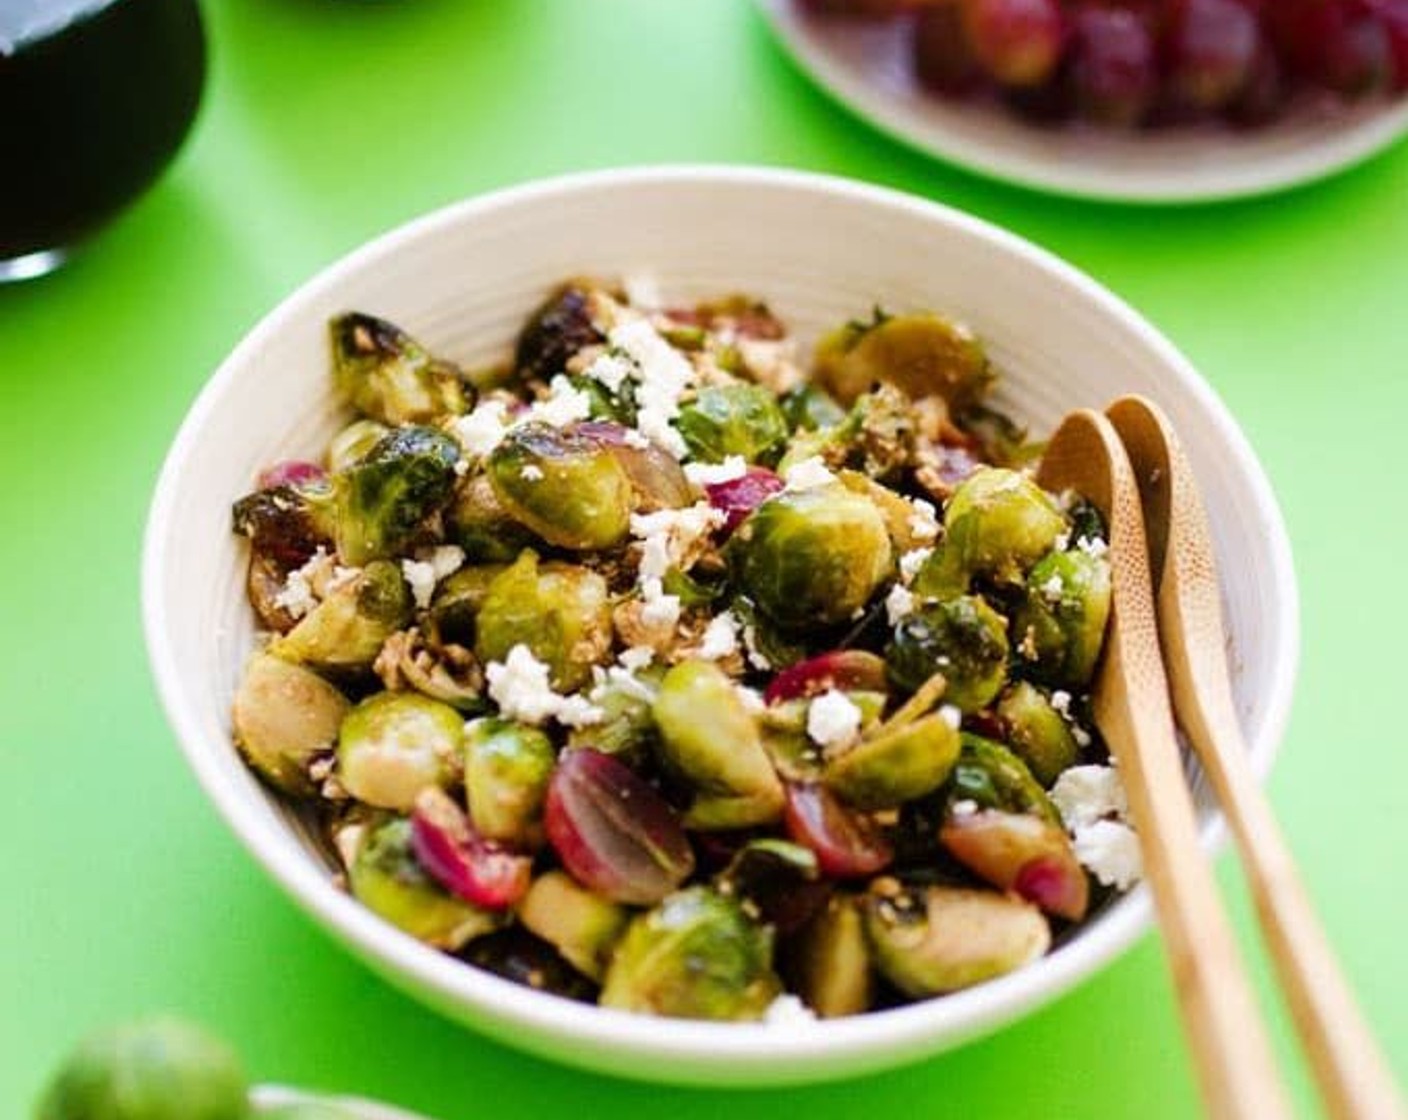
(1036, 731)
(506, 770)
(877, 437)
(922, 354)
(564, 485)
(697, 955)
(931, 940)
(385, 876)
(895, 764)
(392, 745)
(781, 882)
(386, 497)
(285, 716)
(478, 522)
(962, 638)
(1060, 624)
(561, 612)
(455, 606)
(627, 726)
(813, 557)
(354, 443)
(740, 419)
(709, 738)
(555, 331)
(830, 964)
(154, 1069)
(580, 924)
(992, 777)
(288, 523)
(1000, 522)
(346, 631)
(389, 377)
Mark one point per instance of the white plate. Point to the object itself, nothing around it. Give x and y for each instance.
(265, 1098)
(866, 66)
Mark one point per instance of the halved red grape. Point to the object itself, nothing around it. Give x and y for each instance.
(842, 668)
(655, 474)
(613, 832)
(847, 844)
(1211, 47)
(741, 496)
(292, 472)
(1394, 14)
(1264, 96)
(1114, 67)
(1357, 59)
(1018, 42)
(943, 59)
(463, 862)
(1022, 853)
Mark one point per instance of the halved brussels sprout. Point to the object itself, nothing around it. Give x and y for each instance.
(478, 522)
(781, 882)
(962, 638)
(346, 631)
(385, 876)
(458, 597)
(992, 777)
(1060, 623)
(561, 612)
(831, 961)
(813, 557)
(288, 523)
(1036, 731)
(285, 716)
(580, 924)
(507, 766)
(895, 764)
(627, 726)
(708, 736)
(385, 499)
(567, 487)
(354, 443)
(560, 327)
(923, 354)
(740, 419)
(389, 377)
(931, 940)
(696, 955)
(392, 745)
(1001, 522)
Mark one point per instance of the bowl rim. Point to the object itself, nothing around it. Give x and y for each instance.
(676, 1049)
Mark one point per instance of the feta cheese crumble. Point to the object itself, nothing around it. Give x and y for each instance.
(788, 1010)
(808, 474)
(832, 719)
(711, 474)
(912, 561)
(923, 522)
(1093, 546)
(951, 715)
(669, 537)
(563, 405)
(664, 374)
(519, 686)
(1110, 850)
(307, 586)
(659, 609)
(898, 603)
(482, 430)
(720, 638)
(1086, 794)
(423, 575)
(610, 370)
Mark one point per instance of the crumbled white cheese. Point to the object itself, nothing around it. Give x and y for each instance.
(480, 431)
(1061, 701)
(1080, 735)
(1110, 850)
(912, 561)
(832, 719)
(788, 1011)
(659, 609)
(668, 536)
(664, 375)
(519, 686)
(808, 474)
(923, 522)
(622, 679)
(720, 638)
(296, 596)
(965, 808)
(756, 657)
(711, 474)
(423, 575)
(1062, 543)
(898, 603)
(951, 715)
(563, 405)
(635, 658)
(1086, 794)
(1053, 588)
(531, 472)
(611, 370)
(1093, 547)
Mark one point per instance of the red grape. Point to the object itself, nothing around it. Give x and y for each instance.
(462, 861)
(1018, 42)
(1264, 94)
(847, 844)
(1114, 70)
(844, 669)
(1211, 47)
(739, 497)
(1357, 58)
(1394, 14)
(943, 59)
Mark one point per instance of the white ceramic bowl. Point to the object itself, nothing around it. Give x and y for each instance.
(266, 1098)
(820, 251)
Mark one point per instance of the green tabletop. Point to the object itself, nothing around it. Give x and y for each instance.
(327, 122)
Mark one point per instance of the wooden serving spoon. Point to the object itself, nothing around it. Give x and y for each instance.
(1131, 707)
(1352, 1074)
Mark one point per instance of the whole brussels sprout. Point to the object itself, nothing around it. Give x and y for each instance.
(388, 376)
(740, 419)
(156, 1069)
(812, 557)
(561, 612)
(580, 924)
(478, 522)
(285, 716)
(564, 485)
(696, 955)
(962, 638)
(1001, 523)
(922, 354)
(810, 408)
(346, 631)
(354, 443)
(557, 330)
(1036, 731)
(392, 745)
(932, 940)
(385, 876)
(386, 497)
(710, 739)
(1060, 624)
(992, 777)
(506, 770)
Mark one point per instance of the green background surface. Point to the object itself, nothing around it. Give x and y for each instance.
(326, 123)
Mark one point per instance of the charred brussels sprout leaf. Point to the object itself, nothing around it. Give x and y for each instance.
(726, 420)
(390, 377)
(385, 498)
(561, 612)
(1060, 625)
(962, 638)
(812, 558)
(922, 354)
(564, 485)
(392, 745)
(697, 955)
(557, 330)
(346, 631)
(285, 716)
(831, 961)
(895, 765)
